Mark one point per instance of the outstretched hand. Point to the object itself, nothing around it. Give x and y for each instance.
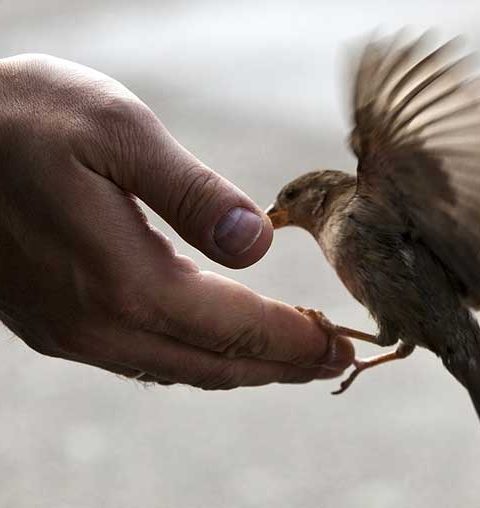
(86, 278)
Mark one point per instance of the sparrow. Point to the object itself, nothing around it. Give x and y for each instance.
(403, 235)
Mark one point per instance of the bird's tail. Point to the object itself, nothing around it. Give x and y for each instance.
(465, 366)
(473, 387)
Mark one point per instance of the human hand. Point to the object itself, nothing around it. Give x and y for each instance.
(86, 278)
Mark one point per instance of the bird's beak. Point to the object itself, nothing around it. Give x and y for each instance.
(278, 217)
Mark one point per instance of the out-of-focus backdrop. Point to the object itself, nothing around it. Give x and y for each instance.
(255, 90)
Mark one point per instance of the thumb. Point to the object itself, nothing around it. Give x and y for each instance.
(207, 210)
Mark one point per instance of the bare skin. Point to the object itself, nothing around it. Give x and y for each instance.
(86, 278)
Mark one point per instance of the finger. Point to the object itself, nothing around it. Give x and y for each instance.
(119, 370)
(209, 311)
(204, 208)
(150, 291)
(120, 138)
(126, 372)
(159, 379)
(149, 379)
(164, 358)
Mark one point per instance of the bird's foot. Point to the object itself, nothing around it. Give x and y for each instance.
(334, 330)
(403, 350)
(319, 317)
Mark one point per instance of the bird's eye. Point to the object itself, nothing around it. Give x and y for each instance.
(291, 194)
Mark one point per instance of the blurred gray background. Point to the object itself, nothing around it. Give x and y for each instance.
(254, 89)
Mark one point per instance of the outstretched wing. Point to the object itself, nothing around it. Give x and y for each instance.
(417, 137)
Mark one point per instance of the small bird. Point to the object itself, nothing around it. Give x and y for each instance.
(403, 235)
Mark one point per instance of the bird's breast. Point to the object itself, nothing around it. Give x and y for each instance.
(330, 238)
(339, 244)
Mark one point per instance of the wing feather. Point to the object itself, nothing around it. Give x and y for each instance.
(417, 137)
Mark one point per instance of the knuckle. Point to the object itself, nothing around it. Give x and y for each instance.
(118, 119)
(199, 187)
(249, 338)
(225, 376)
(121, 130)
(245, 343)
(115, 111)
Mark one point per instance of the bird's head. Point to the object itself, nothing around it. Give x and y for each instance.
(302, 201)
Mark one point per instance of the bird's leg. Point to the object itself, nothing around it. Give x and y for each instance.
(355, 334)
(334, 330)
(403, 350)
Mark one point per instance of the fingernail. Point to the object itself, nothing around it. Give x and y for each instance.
(340, 354)
(237, 231)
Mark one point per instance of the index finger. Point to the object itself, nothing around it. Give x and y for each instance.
(215, 313)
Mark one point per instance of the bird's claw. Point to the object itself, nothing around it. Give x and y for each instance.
(346, 383)
(319, 317)
(333, 331)
(403, 350)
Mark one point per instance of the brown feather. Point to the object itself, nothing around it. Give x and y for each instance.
(418, 141)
